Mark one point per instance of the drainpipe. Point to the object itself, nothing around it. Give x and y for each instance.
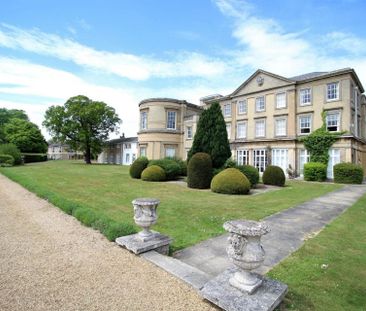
(356, 111)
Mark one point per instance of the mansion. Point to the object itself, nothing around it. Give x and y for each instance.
(265, 118)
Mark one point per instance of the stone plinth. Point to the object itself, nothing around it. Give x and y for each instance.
(266, 297)
(156, 241)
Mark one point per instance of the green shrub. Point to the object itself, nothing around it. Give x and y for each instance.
(315, 171)
(138, 166)
(34, 157)
(12, 150)
(274, 175)
(116, 229)
(199, 171)
(348, 173)
(6, 160)
(230, 163)
(230, 181)
(153, 173)
(85, 215)
(251, 173)
(216, 171)
(170, 166)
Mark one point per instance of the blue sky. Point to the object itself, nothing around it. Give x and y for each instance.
(121, 52)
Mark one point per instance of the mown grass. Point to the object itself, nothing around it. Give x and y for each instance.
(94, 192)
(340, 284)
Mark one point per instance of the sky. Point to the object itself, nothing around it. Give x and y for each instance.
(123, 51)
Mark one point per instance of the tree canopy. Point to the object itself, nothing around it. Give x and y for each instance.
(25, 135)
(211, 136)
(82, 123)
(5, 116)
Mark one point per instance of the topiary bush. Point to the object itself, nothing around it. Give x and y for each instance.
(230, 181)
(153, 173)
(348, 173)
(199, 171)
(6, 160)
(315, 171)
(274, 175)
(138, 166)
(251, 173)
(170, 166)
(11, 149)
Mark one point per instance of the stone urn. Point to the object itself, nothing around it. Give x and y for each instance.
(145, 216)
(246, 252)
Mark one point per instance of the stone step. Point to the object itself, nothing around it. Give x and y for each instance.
(191, 275)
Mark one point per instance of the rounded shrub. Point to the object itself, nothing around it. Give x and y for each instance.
(153, 173)
(230, 181)
(251, 173)
(199, 171)
(274, 175)
(138, 166)
(315, 171)
(6, 160)
(11, 149)
(348, 173)
(170, 166)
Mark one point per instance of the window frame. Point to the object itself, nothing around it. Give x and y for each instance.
(337, 89)
(189, 132)
(168, 120)
(170, 148)
(244, 105)
(285, 100)
(301, 97)
(228, 125)
(242, 156)
(227, 113)
(244, 123)
(334, 112)
(276, 126)
(143, 120)
(264, 128)
(257, 101)
(310, 123)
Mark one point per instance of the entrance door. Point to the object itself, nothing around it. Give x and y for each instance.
(334, 158)
(280, 158)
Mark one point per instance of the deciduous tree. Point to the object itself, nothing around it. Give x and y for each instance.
(82, 123)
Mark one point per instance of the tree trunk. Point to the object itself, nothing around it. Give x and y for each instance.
(87, 155)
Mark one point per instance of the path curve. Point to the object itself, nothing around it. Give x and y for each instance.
(49, 261)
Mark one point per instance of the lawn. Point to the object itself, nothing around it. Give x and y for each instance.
(187, 215)
(340, 284)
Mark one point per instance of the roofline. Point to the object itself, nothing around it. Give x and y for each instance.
(169, 100)
(334, 74)
(254, 74)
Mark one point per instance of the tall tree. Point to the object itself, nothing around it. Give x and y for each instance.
(25, 135)
(82, 123)
(6, 115)
(211, 136)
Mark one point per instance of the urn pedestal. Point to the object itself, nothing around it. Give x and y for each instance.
(246, 252)
(145, 215)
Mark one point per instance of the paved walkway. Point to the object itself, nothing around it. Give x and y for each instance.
(289, 230)
(49, 261)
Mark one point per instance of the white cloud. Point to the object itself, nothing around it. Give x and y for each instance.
(184, 64)
(54, 86)
(263, 43)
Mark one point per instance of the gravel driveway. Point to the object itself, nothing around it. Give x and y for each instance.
(49, 261)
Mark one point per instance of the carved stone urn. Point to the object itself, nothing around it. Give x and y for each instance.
(246, 252)
(145, 216)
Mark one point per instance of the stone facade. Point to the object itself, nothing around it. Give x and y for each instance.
(266, 116)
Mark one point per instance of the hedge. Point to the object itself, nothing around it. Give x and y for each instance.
(138, 166)
(315, 171)
(170, 166)
(274, 175)
(251, 173)
(230, 181)
(34, 157)
(12, 150)
(6, 160)
(199, 171)
(348, 173)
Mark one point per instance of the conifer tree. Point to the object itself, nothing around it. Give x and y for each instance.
(211, 136)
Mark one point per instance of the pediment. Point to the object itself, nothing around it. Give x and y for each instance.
(261, 80)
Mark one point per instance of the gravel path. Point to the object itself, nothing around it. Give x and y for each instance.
(49, 261)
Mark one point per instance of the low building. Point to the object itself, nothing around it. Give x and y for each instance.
(58, 151)
(265, 118)
(122, 151)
